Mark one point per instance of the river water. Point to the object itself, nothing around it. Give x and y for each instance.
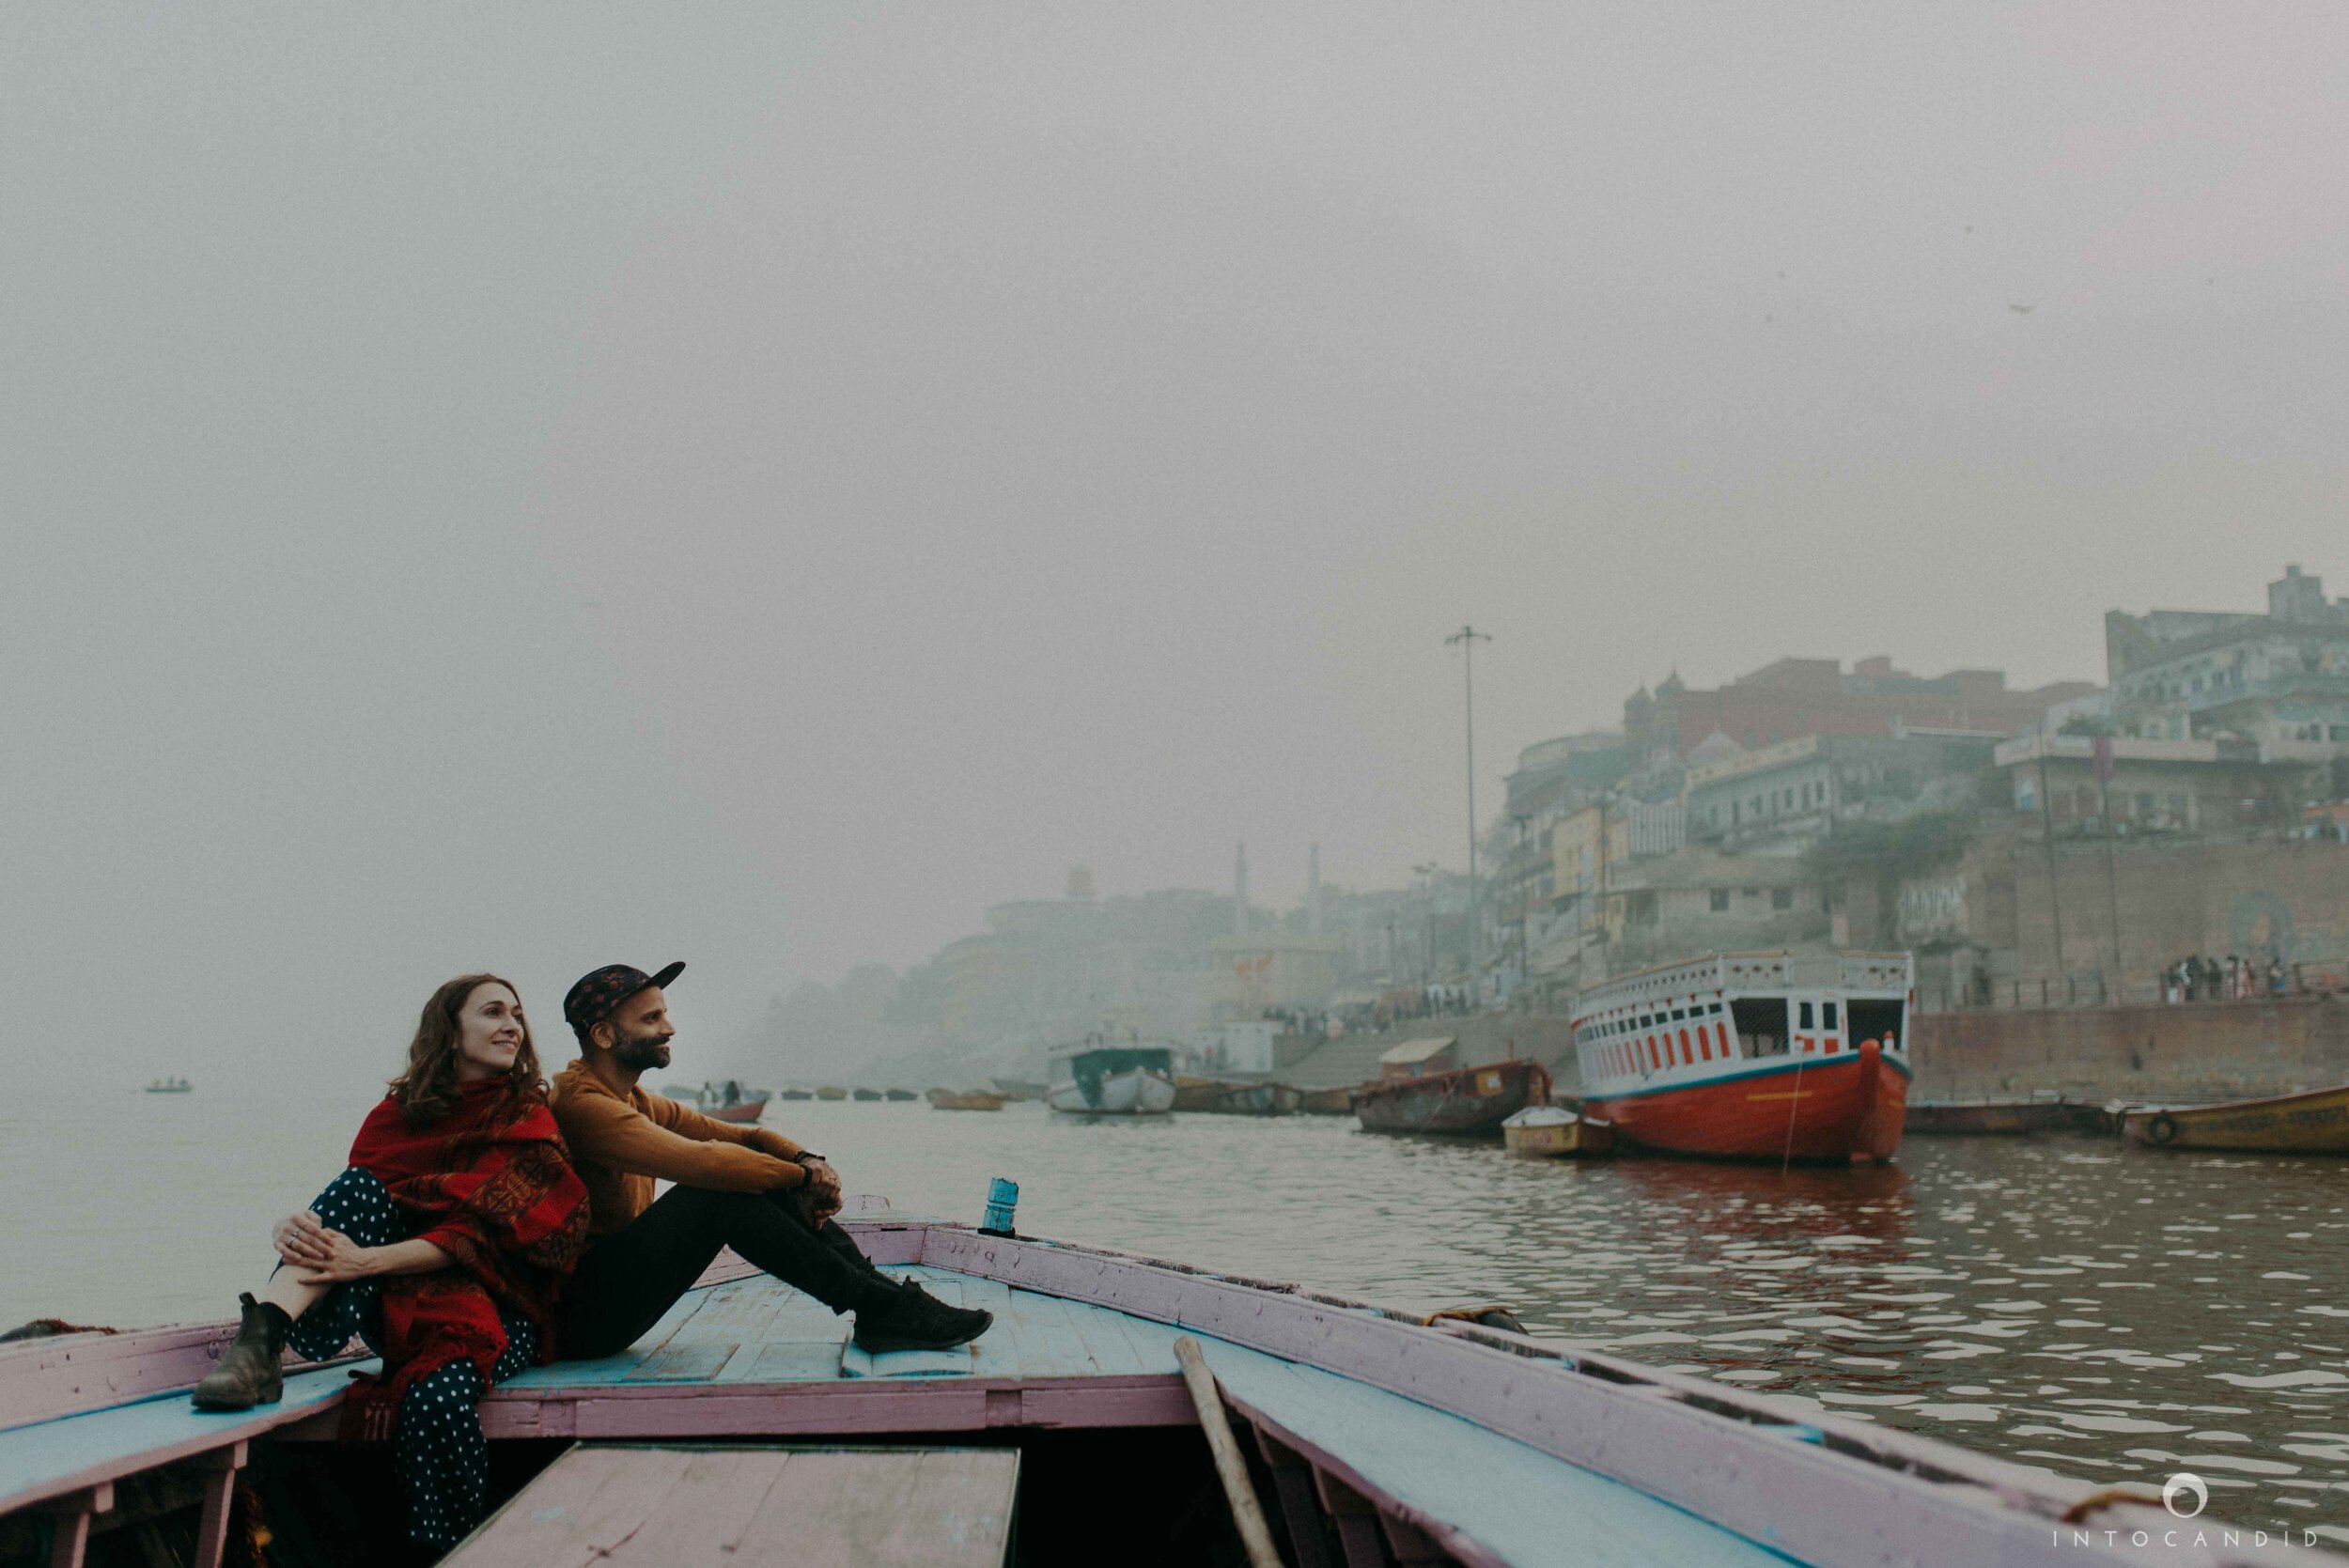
(2109, 1313)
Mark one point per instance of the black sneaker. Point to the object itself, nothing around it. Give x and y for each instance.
(918, 1321)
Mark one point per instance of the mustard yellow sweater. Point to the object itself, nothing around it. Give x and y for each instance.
(619, 1146)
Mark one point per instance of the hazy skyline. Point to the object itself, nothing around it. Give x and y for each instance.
(541, 487)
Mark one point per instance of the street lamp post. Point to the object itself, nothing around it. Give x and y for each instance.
(1468, 637)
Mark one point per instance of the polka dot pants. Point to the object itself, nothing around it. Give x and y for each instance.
(442, 1451)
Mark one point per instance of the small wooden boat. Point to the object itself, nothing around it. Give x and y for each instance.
(748, 1419)
(1257, 1099)
(1469, 1102)
(1325, 1102)
(899, 1095)
(170, 1086)
(730, 1102)
(1114, 1081)
(864, 1094)
(1958, 1118)
(973, 1099)
(1220, 1096)
(2313, 1123)
(796, 1094)
(831, 1092)
(1553, 1132)
(1194, 1093)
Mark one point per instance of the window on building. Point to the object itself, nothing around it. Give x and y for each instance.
(1781, 898)
(1719, 899)
(1749, 893)
(1826, 1013)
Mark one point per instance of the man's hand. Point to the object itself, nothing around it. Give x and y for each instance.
(822, 1189)
(300, 1239)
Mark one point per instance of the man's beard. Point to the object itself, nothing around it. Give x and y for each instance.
(641, 1053)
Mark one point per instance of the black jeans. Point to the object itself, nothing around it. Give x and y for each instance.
(635, 1274)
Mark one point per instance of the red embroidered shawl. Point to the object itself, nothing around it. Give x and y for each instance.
(490, 1184)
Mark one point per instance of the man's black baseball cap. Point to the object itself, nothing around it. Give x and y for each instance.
(591, 998)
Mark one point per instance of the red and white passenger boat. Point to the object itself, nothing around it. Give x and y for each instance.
(1753, 1055)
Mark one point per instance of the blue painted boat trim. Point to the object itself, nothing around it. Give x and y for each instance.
(1806, 1063)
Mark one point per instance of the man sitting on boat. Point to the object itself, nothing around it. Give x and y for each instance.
(742, 1187)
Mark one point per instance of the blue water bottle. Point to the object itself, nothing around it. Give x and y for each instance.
(1002, 1204)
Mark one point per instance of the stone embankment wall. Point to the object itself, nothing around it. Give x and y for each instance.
(2200, 1051)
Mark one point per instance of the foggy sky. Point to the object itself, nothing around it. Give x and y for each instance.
(530, 488)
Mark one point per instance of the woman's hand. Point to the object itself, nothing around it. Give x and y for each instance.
(300, 1240)
(343, 1259)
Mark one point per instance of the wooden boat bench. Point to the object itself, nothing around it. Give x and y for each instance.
(68, 1465)
(672, 1506)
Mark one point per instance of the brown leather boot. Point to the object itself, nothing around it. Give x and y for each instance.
(248, 1374)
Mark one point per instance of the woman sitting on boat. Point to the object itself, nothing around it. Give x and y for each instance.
(442, 1247)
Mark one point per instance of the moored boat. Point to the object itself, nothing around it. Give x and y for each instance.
(899, 1095)
(170, 1086)
(796, 1094)
(1753, 1055)
(1014, 1089)
(866, 1094)
(1443, 1441)
(1114, 1081)
(1468, 1102)
(1960, 1118)
(2315, 1122)
(831, 1092)
(1256, 1099)
(972, 1099)
(1553, 1132)
(1325, 1102)
(1219, 1097)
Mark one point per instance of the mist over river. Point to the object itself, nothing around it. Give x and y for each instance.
(2111, 1312)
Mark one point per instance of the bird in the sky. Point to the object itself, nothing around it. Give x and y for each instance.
(2019, 310)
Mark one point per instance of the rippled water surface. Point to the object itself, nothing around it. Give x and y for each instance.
(2109, 1313)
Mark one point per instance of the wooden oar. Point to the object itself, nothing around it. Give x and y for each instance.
(1230, 1467)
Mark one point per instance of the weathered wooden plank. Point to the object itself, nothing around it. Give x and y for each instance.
(76, 1452)
(874, 1510)
(585, 1507)
(1040, 1338)
(693, 1361)
(634, 1506)
(791, 1360)
(46, 1379)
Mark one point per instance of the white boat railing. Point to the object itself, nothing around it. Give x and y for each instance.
(1753, 971)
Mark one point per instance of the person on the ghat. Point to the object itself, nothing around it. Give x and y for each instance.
(749, 1188)
(442, 1247)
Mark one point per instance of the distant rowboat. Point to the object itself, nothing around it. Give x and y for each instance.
(1552, 1132)
(864, 1094)
(170, 1086)
(831, 1092)
(1471, 1102)
(975, 1100)
(2314, 1123)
